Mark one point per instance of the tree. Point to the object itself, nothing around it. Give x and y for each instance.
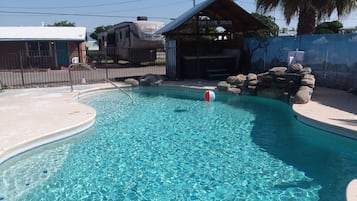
(328, 27)
(261, 39)
(99, 29)
(63, 23)
(268, 21)
(308, 11)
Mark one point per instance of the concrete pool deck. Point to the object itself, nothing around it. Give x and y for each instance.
(31, 117)
(331, 110)
(36, 116)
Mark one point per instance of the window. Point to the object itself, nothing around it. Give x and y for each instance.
(35, 49)
(111, 38)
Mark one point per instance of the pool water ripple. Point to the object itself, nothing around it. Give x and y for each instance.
(34, 170)
(166, 148)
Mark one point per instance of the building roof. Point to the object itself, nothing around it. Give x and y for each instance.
(28, 33)
(222, 10)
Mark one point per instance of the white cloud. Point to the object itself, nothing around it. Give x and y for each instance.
(353, 39)
(321, 40)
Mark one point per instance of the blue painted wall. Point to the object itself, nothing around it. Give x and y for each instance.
(332, 57)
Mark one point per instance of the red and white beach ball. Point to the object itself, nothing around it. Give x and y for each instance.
(209, 96)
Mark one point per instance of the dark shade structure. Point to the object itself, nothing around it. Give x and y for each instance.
(206, 41)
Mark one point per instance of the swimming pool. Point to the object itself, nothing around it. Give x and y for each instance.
(171, 145)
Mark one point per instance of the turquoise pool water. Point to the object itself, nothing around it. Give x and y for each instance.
(171, 145)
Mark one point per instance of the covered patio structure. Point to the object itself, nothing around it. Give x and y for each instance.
(206, 41)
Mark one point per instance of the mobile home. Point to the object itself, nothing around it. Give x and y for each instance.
(134, 41)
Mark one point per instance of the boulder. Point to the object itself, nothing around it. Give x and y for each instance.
(133, 82)
(237, 80)
(151, 80)
(252, 82)
(223, 86)
(308, 80)
(277, 70)
(303, 95)
(252, 88)
(295, 68)
(234, 90)
(306, 70)
(252, 76)
(232, 80)
(241, 80)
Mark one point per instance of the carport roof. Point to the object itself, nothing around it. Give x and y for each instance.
(29, 33)
(242, 21)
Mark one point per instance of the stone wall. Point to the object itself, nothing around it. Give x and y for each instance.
(293, 84)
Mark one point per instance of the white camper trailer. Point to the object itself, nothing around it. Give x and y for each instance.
(134, 42)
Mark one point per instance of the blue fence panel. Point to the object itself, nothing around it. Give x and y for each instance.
(331, 56)
(329, 52)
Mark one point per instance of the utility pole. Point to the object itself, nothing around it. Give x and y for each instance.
(194, 3)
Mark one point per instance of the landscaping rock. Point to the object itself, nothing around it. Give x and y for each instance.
(223, 86)
(133, 82)
(295, 68)
(252, 82)
(241, 80)
(252, 76)
(151, 80)
(238, 80)
(232, 80)
(303, 95)
(306, 70)
(308, 80)
(277, 70)
(278, 83)
(234, 90)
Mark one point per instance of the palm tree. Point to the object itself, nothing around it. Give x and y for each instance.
(309, 11)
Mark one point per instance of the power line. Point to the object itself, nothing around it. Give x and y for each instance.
(82, 6)
(95, 14)
(74, 14)
(146, 7)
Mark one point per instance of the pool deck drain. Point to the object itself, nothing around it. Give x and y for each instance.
(31, 117)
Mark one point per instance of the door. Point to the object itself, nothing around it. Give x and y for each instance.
(62, 56)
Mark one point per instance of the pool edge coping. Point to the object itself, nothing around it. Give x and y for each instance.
(47, 139)
(331, 128)
(59, 134)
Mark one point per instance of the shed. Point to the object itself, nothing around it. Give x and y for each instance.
(41, 47)
(206, 41)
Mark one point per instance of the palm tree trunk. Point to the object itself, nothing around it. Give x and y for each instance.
(307, 20)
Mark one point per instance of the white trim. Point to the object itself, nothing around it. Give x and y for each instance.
(42, 33)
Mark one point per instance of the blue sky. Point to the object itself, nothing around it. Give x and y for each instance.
(91, 14)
